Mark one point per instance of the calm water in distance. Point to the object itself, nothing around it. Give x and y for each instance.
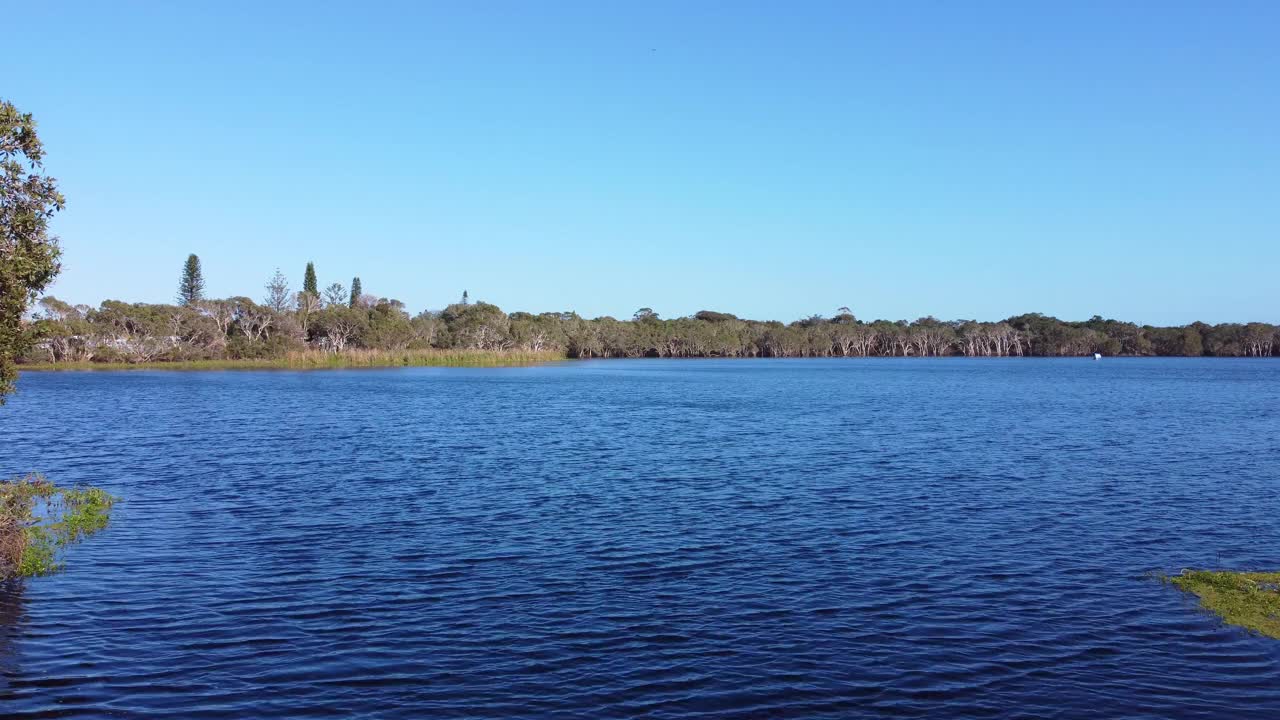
(651, 538)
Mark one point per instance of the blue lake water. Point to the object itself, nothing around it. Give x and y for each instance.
(651, 538)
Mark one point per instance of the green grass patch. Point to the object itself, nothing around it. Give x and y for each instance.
(1250, 600)
(317, 360)
(39, 520)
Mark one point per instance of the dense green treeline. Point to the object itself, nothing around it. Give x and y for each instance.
(337, 321)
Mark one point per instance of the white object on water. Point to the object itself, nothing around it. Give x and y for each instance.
(1097, 356)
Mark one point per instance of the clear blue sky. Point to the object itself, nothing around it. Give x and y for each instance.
(774, 160)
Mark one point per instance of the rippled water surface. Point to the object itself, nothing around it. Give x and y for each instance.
(658, 539)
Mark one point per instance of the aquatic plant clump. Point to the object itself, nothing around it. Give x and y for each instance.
(1250, 600)
(38, 520)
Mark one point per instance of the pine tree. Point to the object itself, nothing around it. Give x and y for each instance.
(191, 286)
(278, 292)
(465, 300)
(309, 284)
(355, 291)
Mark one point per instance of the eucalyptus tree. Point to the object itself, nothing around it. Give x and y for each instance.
(65, 330)
(932, 336)
(136, 332)
(389, 326)
(479, 326)
(1259, 339)
(222, 312)
(533, 332)
(251, 320)
(308, 304)
(584, 338)
(1192, 341)
(426, 327)
(29, 255)
(1184, 341)
(337, 327)
(844, 338)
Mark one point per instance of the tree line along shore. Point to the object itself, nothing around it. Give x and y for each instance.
(341, 325)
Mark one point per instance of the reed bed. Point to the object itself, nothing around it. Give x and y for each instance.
(318, 360)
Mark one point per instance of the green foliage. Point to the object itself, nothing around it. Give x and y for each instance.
(1191, 343)
(338, 326)
(478, 326)
(241, 347)
(39, 556)
(389, 326)
(64, 330)
(240, 329)
(39, 520)
(356, 290)
(309, 282)
(711, 316)
(335, 294)
(278, 294)
(87, 510)
(1250, 600)
(1185, 341)
(29, 256)
(191, 286)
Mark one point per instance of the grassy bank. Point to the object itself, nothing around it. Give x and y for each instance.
(38, 520)
(1250, 600)
(313, 359)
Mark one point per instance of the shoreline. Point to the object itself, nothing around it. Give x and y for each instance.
(322, 361)
(481, 359)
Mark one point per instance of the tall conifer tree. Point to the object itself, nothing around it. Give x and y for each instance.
(355, 291)
(191, 286)
(309, 284)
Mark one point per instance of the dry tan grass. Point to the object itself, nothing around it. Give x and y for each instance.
(318, 359)
(13, 542)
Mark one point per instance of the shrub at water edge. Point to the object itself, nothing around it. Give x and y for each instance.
(38, 520)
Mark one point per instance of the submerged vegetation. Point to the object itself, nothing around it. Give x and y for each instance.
(1250, 600)
(38, 520)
